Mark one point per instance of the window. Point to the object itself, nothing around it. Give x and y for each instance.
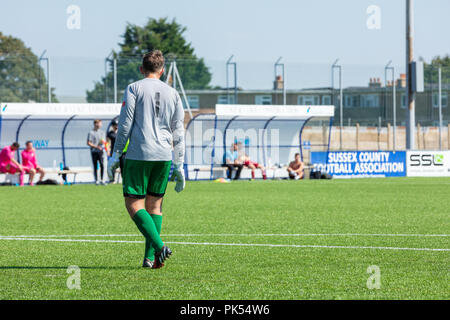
(444, 99)
(263, 99)
(403, 98)
(224, 99)
(347, 100)
(308, 100)
(351, 100)
(326, 100)
(194, 102)
(370, 100)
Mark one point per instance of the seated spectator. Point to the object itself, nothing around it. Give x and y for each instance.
(10, 165)
(295, 168)
(29, 162)
(231, 161)
(253, 166)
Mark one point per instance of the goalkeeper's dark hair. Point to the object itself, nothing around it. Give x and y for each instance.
(153, 61)
(15, 145)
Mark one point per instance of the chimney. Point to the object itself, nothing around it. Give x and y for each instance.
(402, 81)
(375, 83)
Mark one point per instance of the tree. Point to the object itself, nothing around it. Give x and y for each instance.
(431, 70)
(21, 77)
(161, 34)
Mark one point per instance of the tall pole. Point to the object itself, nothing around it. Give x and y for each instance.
(228, 78)
(107, 60)
(115, 80)
(226, 85)
(105, 89)
(386, 68)
(394, 108)
(235, 83)
(332, 85)
(341, 100)
(275, 73)
(284, 87)
(49, 91)
(40, 76)
(440, 106)
(410, 95)
(281, 65)
(39, 80)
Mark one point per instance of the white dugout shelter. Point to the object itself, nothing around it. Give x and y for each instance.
(58, 131)
(268, 134)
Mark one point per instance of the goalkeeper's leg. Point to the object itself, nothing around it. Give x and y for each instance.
(146, 225)
(147, 179)
(153, 205)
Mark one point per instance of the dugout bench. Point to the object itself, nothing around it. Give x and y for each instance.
(220, 172)
(58, 172)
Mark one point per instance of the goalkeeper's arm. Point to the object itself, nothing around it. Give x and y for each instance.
(177, 127)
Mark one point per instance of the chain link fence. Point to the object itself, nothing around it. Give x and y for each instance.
(367, 90)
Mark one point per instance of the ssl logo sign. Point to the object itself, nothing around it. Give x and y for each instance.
(426, 160)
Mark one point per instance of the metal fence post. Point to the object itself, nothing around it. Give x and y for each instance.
(440, 106)
(235, 79)
(394, 109)
(281, 65)
(341, 98)
(115, 80)
(49, 90)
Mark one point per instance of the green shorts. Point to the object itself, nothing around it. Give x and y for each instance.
(141, 178)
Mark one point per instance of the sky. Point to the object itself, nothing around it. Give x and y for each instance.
(309, 35)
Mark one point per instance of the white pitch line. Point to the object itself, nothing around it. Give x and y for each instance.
(68, 240)
(239, 235)
(306, 246)
(230, 244)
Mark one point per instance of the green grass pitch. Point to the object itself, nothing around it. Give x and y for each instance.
(315, 240)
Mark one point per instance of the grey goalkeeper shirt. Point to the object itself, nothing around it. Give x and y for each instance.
(152, 117)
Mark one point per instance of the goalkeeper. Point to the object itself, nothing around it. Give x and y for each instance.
(152, 118)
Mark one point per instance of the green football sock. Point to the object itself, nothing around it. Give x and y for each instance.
(147, 227)
(149, 250)
(157, 219)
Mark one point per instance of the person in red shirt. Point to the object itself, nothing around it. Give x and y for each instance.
(29, 162)
(252, 165)
(10, 165)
